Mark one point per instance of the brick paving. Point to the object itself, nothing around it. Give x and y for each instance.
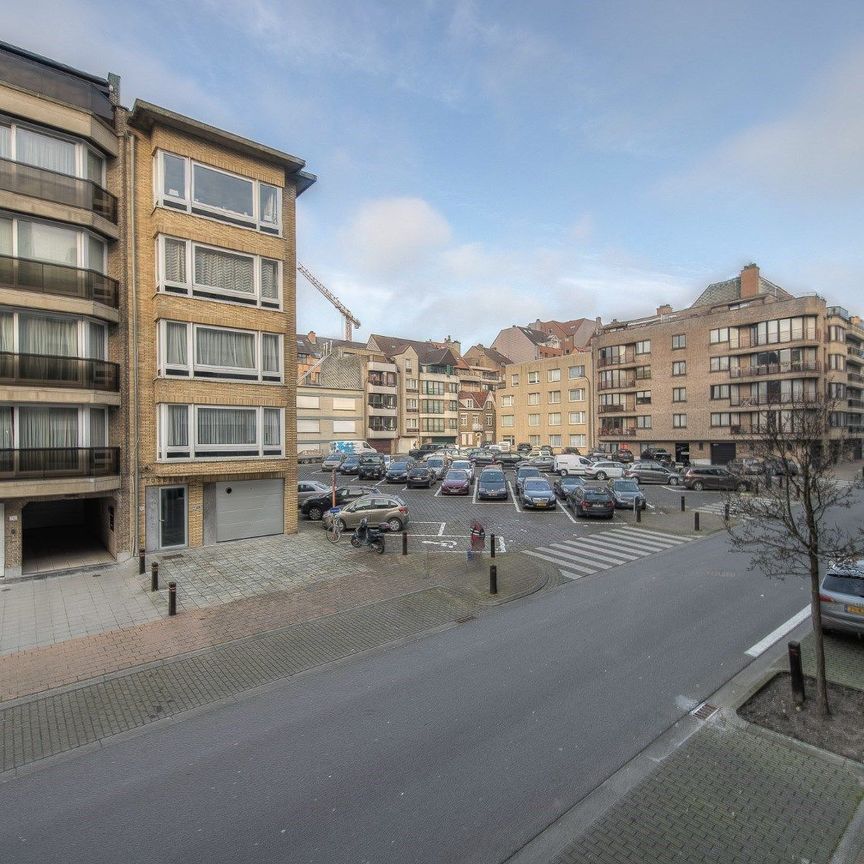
(844, 659)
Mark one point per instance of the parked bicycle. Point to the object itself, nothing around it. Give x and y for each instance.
(334, 529)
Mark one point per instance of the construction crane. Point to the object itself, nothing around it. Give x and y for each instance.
(350, 319)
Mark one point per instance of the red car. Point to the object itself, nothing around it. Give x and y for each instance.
(456, 482)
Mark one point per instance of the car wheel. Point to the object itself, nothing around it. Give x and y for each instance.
(394, 524)
(741, 487)
(601, 475)
(315, 514)
(563, 472)
(698, 486)
(674, 481)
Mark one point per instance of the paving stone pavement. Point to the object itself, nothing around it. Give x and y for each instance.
(844, 659)
(34, 729)
(727, 796)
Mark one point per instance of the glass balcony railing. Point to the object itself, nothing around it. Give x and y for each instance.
(50, 371)
(48, 463)
(42, 277)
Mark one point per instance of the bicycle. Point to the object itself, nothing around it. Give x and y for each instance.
(334, 529)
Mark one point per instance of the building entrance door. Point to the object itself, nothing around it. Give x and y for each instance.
(172, 517)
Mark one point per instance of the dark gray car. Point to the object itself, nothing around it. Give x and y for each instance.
(647, 471)
(537, 494)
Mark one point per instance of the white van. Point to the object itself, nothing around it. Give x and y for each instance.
(352, 447)
(570, 463)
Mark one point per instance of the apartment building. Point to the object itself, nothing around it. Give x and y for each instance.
(484, 368)
(697, 380)
(543, 339)
(212, 250)
(548, 402)
(64, 463)
(476, 418)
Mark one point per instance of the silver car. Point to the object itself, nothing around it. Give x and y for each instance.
(842, 597)
(332, 461)
(309, 489)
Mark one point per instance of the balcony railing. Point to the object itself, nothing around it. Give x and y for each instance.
(610, 409)
(618, 431)
(746, 340)
(41, 277)
(774, 369)
(855, 376)
(855, 403)
(618, 360)
(778, 400)
(52, 462)
(621, 385)
(50, 371)
(61, 188)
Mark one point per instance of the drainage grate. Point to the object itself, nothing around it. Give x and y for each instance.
(704, 711)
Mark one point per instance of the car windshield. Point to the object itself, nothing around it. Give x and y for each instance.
(536, 486)
(626, 486)
(529, 472)
(463, 464)
(597, 494)
(435, 463)
(457, 475)
(570, 481)
(399, 466)
(492, 477)
(853, 585)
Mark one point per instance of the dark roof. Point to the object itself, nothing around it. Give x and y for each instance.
(478, 397)
(340, 373)
(306, 346)
(428, 353)
(729, 291)
(495, 356)
(536, 336)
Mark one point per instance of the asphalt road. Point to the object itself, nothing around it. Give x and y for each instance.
(460, 746)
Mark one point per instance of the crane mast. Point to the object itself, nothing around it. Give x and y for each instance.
(350, 318)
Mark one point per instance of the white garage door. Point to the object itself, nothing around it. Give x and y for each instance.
(251, 508)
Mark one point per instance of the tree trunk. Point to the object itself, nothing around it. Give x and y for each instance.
(816, 612)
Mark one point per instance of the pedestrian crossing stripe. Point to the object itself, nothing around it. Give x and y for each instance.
(593, 550)
(626, 554)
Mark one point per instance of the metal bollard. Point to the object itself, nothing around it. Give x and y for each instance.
(493, 579)
(638, 510)
(492, 552)
(142, 566)
(726, 512)
(682, 503)
(404, 542)
(172, 598)
(796, 673)
(695, 520)
(154, 576)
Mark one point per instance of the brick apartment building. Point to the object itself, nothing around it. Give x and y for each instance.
(476, 418)
(697, 380)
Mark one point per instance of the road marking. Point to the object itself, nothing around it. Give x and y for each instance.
(641, 544)
(438, 490)
(474, 496)
(595, 545)
(764, 644)
(561, 561)
(656, 534)
(594, 555)
(501, 546)
(568, 575)
(513, 497)
(441, 529)
(567, 513)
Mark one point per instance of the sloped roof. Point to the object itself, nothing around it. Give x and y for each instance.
(478, 397)
(428, 353)
(493, 355)
(306, 346)
(340, 373)
(729, 291)
(538, 337)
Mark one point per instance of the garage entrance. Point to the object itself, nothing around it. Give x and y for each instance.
(243, 509)
(66, 534)
(722, 453)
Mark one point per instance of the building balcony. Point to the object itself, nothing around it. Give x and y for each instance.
(610, 409)
(621, 385)
(51, 463)
(775, 401)
(41, 277)
(855, 403)
(379, 366)
(855, 376)
(746, 343)
(854, 352)
(629, 357)
(381, 433)
(382, 411)
(40, 370)
(48, 185)
(619, 431)
(384, 389)
(775, 369)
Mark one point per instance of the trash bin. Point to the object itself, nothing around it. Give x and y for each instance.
(478, 537)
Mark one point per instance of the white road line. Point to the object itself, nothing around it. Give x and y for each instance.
(641, 543)
(580, 544)
(438, 490)
(501, 546)
(657, 535)
(764, 644)
(562, 562)
(513, 497)
(474, 496)
(441, 529)
(566, 512)
(568, 575)
(594, 555)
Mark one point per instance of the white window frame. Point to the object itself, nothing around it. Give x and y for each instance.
(555, 440)
(83, 326)
(577, 440)
(82, 243)
(553, 375)
(533, 419)
(579, 418)
(575, 372)
(554, 397)
(554, 418)
(508, 421)
(187, 203)
(506, 401)
(533, 377)
(580, 394)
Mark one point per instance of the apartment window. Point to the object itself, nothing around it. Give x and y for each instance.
(533, 398)
(643, 421)
(719, 391)
(433, 388)
(577, 394)
(432, 424)
(725, 418)
(679, 367)
(719, 364)
(184, 184)
(577, 440)
(514, 380)
(553, 375)
(679, 394)
(643, 347)
(837, 362)
(783, 330)
(575, 417)
(836, 333)
(555, 419)
(213, 273)
(410, 383)
(506, 401)
(507, 420)
(533, 377)
(576, 372)
(679, 341)
(534, 440)
(411, 423)
(643, 397)
(432, 406)
(490, 420)
(533, 419)
(643, 373)
(718, 335)
(679, 421)
(216, 432)
(554, 440)
(28, 427)
(52, 335)
(47, 241)
(554, 397)
(198, 351)
(452, 423)
(453, 387)
(464, 420)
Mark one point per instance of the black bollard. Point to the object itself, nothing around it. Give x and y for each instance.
(796, 673)
(154, 576)
(726, 512)
(682, 503)
(638, 510)
(142, 567)
(695, 520)
(492, 553)
(404, 542)
(172, 598)
(493, 579)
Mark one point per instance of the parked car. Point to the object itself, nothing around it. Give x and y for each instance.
(437, 465)
(626, 494)
(420, 475)
(657, 454)
(571, 464)
(510, 460)
(747, 465)
(779, 465)
(592, 501)
(645, 471)
(594, 455)
(523, 448)
(492, 485)
(456, 482)
(378, 509)
(563, 485)
(350, 464)
(622, 454)
(315, 508)
(841, 597)
(423, 450)
(545, 462)
(537, 494)
(371, 468)
(483, 458)
(699, 477)
(604, 470)
(398, 471)
(464, 465)
(332, 461)
(309, 489)
(523, 472)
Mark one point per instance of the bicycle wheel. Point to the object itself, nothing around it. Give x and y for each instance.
(334, 532)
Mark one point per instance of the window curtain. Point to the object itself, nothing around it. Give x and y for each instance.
(48, 427)
(270, 352)
(56, 337)
(45, 151)
(47, 243)
(272, 437)
(5, 236)
(7, 323)
(226, 426)
(270, 279)
(175, 344)
(175, 261)
(177, 425)
(7, 438)
(5, 142)
(224, 270)
(98, 437)
(96, 338)
(269, 204)
(224, 348)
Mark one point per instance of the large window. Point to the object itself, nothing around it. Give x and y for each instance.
(52, 335)
(576, 417)
(183, 184)
(218, 432)
(577, 440)
(553, 375)
(533, 398)
(679, 367)
(28, 427)
(554, 397)
(679, 421)
(679, 341)
(198, 351)
(219, 274)
(555, 419)
(507, 420)
(576, 372)
(48, 241)
(533, 377)
(506, 401)
(533, 419)
(577, 394)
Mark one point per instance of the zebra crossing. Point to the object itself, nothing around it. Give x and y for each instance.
(600, 551)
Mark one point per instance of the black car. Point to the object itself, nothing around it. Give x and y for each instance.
(627, 494)
(424, 450)
(543, 462)
(537, 494)
(315, 508)
(622, 454)
(592, 501)
(350, 464)
(509, 460)
(483, 458)
(492, 485)
(523, 448)
(420, 475)
(564, 485)
(398, 471)
(656, 454)
(370, 468)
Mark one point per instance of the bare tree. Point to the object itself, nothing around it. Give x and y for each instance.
(790, 527)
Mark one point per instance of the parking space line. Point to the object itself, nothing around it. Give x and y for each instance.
(567, 513)
(513, 496)
(438, 490)
(441, 529)
(474, 496)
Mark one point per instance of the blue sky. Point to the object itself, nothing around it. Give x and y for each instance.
(482, 163)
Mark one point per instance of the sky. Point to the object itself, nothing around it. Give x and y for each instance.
(483, 164)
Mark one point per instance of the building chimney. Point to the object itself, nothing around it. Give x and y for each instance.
(665, 309)
(750, 281)
(312, 337)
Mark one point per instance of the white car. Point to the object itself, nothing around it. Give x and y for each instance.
(570, 463)
(464, 465)
(603, 470)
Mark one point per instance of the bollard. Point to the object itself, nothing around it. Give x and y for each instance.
(154, 576)
(796, 673)
(638, 510)
(172, 598)
(695, 520)
(492, 552)
(682, 503)
(142, 567)
(726, 512)
(404, 542)
(493, 579)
